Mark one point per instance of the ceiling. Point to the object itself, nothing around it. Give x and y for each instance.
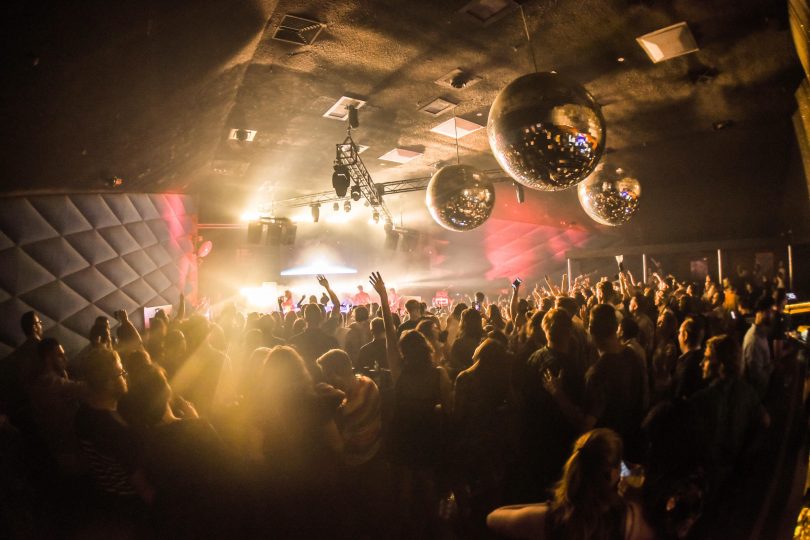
(149, 93)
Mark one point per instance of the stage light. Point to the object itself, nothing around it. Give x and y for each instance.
(316, 212)
(340, 180)
(375, 216)
(356, 193)
(347, 206)
(354, 120)
(336, 207)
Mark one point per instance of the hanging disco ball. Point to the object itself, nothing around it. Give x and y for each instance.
(610, 197)
(460, 197)
(546, 131)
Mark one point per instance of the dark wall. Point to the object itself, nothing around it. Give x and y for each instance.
(72, 258)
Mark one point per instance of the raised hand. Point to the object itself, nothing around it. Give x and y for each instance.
(322, 281)
(378, 284)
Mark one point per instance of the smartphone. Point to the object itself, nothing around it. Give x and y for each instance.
(790, 296)
(625, 471)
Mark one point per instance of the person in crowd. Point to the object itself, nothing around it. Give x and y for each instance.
(495, 317)
(414, 311)
(688, 372)
(184, 461)
(613, 386)
(361, 298)
(313, 342)
(729, 408)
(372, 355)
(470, 334)
(646, 328)
(104, 438)
(205, 374)
(547, 431)
(423, 400)
(586, 503)
(175, 352)
(429, 327)
(298, 489)
(15, 367)
(628, 335)
(454, 322)
(757, 359)
(664, 357)
(155, 338)
(359, 333)
(483, 407)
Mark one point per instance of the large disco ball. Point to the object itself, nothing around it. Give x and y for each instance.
(546, 131)
(460, 197)
(610, 196)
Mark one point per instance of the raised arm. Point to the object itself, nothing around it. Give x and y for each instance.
(391, 342)
(513, 301)
(332, 296)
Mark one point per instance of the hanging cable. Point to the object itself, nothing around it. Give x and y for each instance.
(455, 128)
(528, 38)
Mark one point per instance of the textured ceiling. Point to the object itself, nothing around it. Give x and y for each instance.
(149, 94)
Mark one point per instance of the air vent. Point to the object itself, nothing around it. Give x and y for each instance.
(456, 127)
(298, 30)
(457, 79)
(242, 135)
(486, 12)
(437, 107)
(340, 110)
(400, 155)
(669, 42)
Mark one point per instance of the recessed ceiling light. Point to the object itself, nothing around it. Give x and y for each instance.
(297, 30)
(340, 110)
(486, 12)
(400, 155)
(669, 42)
(360, 148)
(457, 79)
(437, 107)
(620, 59)
(453, 126)
(242, 135)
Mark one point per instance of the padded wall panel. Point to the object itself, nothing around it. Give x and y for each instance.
(73, 258)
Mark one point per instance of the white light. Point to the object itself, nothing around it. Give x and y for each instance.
(249, 216)
(314, 269)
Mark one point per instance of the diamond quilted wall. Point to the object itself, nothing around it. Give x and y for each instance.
(72, 258)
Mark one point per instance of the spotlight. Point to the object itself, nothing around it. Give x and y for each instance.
(375, 216)
(336, 207)
(114, 181)
(340, 180)
(354, 121)
(521, 195)
(316, 212)
(356, 193)
(347, 206)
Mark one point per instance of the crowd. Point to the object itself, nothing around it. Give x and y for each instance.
(604, 409)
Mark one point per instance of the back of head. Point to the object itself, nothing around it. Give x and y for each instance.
(587, 490)
(425, 327)
(361, 314)
(764, 303)
(377, 326)
(557, 325)
(312, 315)
(471, 323)
(693, 330)
(99, 368)
(546, 304)
(148, 396)
(499, 336)
(605, 289)
(136, 361)
(629, 328)
(416, 351)
(412, 306)
(603, 322)
(284, 371)
(568, 304)
(491, 354)
(725, 350)
(458, 309)
(336, 363)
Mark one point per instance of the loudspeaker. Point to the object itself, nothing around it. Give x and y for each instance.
(391, 240)
(254, 233)
(273, 234)
(288, 232)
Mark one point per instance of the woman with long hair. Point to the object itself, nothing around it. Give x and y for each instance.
(470, 334)
(586, 504)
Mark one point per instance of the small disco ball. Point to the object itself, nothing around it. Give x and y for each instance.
(546, 131)
(460, 197)
(610, 197)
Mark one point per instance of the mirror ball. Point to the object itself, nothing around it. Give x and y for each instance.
(610, 197)
(546, 131)
(460, 197)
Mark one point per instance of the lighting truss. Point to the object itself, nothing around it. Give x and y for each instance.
(346, 154)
